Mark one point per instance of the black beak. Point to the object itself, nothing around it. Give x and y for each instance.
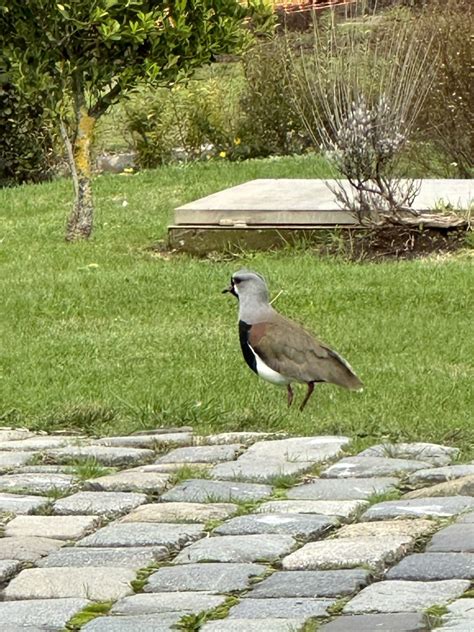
(229, 290)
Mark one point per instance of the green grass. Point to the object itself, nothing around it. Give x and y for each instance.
(108, 336)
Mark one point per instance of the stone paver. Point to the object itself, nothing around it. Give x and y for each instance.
(9, 460)
(102, 454)
(348, 553)
(265, 460)
(237, 548)
(286, 608)
(149, 603)
(419, 508)
(8, 568)
(433, 566)
(460, 616)
(404, 622)
(98, 503)
(36, 483)
(202, 454)
(439, 474)
(312, 584)
(456, 537)
(304, 526)
(405, 596)
(130, 481)
(21, 503)
(431, 452)
(129, 557)
(97, 584)
(415, 528)
(28, 549)
(342, 509)
(144, 534)
(56, 527)
(342, 489)
(210, 577)
(204, 491)
(181, 512)
(45, 614)
(368, 466)
(163, 622)
(286, 558)
(254, 625)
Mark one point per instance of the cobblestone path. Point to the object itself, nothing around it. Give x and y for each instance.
(236, 532)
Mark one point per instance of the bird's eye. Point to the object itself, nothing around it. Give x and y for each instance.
(236, 281)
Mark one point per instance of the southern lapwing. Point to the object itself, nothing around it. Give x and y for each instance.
(278, 349)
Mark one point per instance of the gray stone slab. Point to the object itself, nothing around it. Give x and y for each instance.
(342, 489)
(467, 517)
(372, 466)
(98, 503)
(463, 486)
(27, 549)
(46, 614)
(181, 512)
(254, 625)
(340, 583)
(9, 460)
(36, 483)
(245, 438)
(164, 430)
(301, 201)
(302, 526)
(404, 622)
(439, 474)
(405, 596)
(204, 491)
(419, 508)
(265, 460)
(12, 434)
(98, 584)
(202, 454)
(413, 527)
(102, 454)
(143, 534)
(237, 548)
(456, 537)
(286, 608)
(349, 553)
(149, 603)
(433, 566)
(38, 443)
(460, 616)
(130, 481)
(432, 452)
(129, 557)
(56, 527)
(342, 509)
(138, 623)
(8, 568)
(210, 577)
(22, 504)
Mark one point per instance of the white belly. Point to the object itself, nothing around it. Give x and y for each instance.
(269, 374)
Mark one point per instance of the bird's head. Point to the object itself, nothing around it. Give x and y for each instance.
(248, 284)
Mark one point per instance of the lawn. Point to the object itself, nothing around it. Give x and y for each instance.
(110, 336)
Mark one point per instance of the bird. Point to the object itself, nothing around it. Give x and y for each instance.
(280, 350)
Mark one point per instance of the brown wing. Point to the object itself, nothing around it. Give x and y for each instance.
(292, 351)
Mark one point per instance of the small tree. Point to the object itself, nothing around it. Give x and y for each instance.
(88, 54)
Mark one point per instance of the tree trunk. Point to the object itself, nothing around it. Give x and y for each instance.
(79, 225)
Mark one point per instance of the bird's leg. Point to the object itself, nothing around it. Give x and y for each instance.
(308, 395)
(290, 395)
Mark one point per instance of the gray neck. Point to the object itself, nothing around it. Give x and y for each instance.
(253, 310)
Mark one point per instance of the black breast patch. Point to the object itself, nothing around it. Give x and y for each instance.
(248, 354)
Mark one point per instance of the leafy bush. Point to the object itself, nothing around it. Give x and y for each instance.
(27, 148)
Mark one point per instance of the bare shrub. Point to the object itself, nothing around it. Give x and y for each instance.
(359, 90)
